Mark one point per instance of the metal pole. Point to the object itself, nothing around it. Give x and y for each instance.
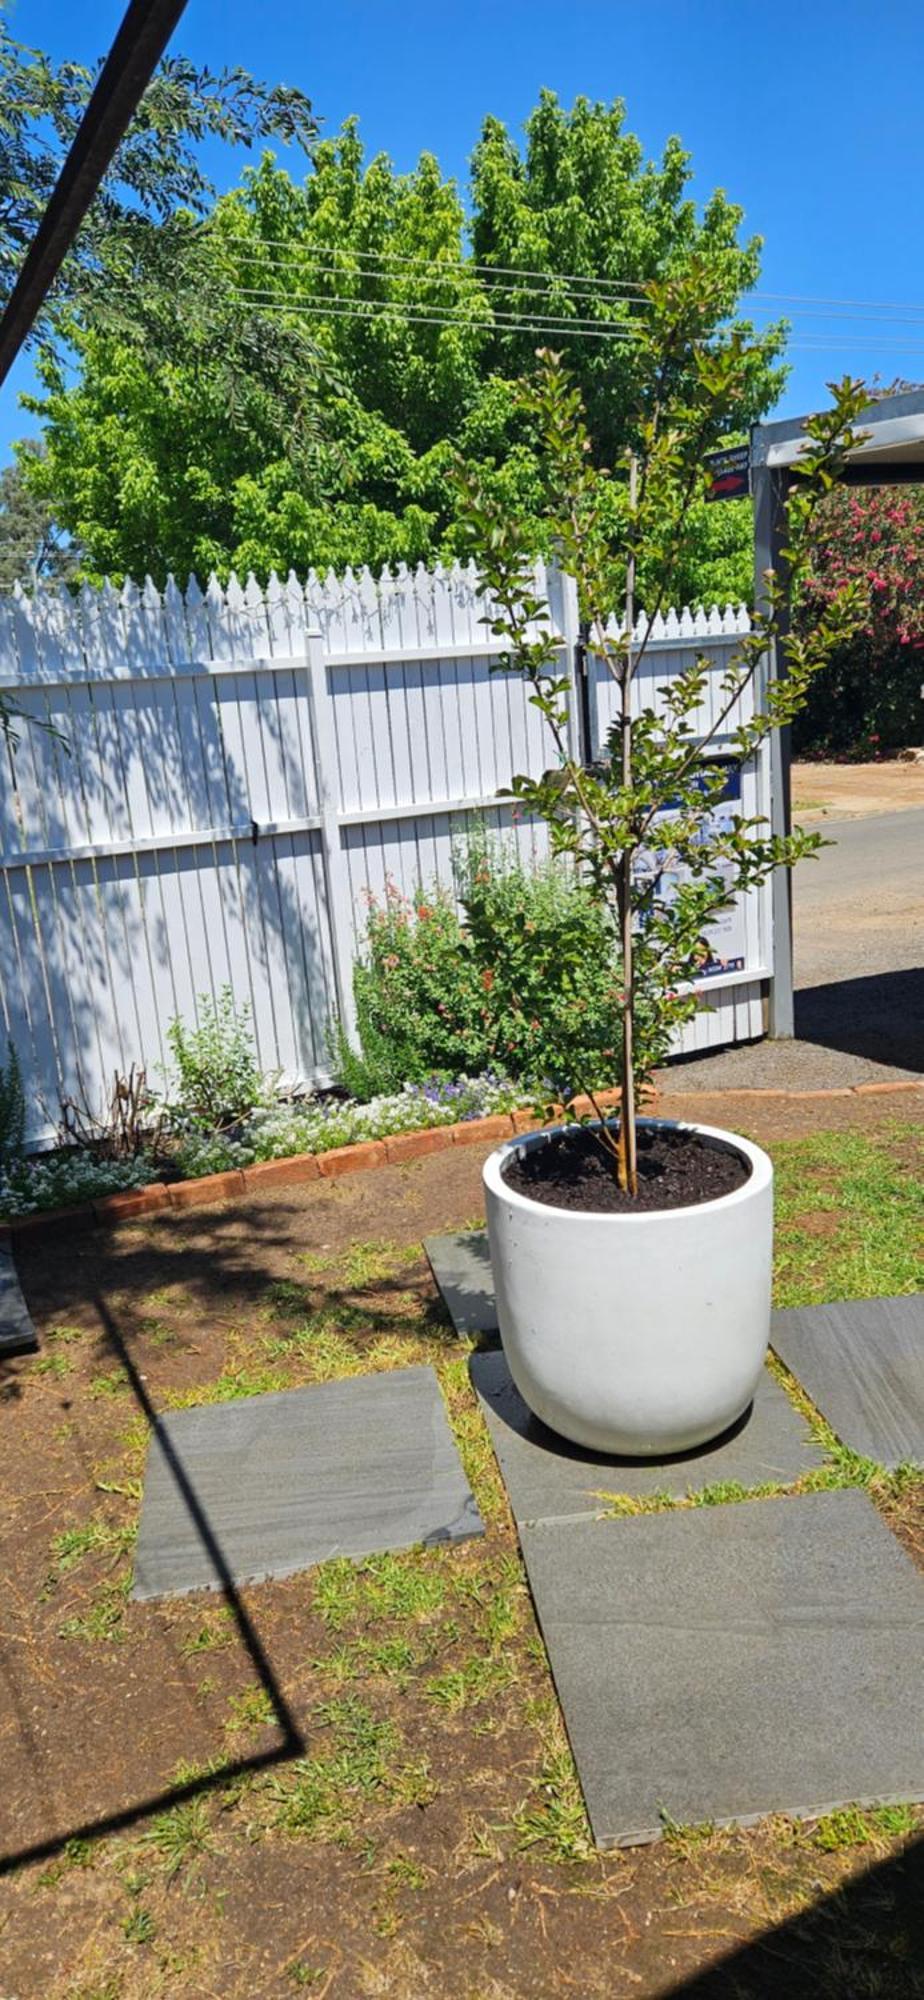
(769, 522)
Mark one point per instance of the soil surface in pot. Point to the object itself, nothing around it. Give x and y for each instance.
(675, 1170)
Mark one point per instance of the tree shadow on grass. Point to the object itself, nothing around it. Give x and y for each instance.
(205, 1256)
(863, 1942)
(292, 1742)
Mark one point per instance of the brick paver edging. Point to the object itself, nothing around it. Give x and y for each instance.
(396, 1151)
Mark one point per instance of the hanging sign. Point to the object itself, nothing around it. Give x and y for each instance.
(730, 472)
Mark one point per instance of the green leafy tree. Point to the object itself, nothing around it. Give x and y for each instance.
(33, 549)
(408, 346)
(637, 823)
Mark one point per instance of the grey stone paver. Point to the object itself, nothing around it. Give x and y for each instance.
(461, 1265)
(268, 1485)
(547, 1478)
(862, 1362)
(729, 1662)
(17, 1333)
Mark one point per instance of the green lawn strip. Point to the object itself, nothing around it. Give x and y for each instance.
(874, 1244)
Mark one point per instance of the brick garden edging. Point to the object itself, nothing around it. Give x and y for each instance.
(366, 1153)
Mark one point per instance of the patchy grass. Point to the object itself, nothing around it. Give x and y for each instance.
(849, 1216)
(433, 1824)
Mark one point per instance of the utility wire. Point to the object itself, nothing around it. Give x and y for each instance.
(596, 287)
(371, 310)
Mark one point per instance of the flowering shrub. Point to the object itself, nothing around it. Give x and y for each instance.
(66, 1181)
(527, 982)
(318, 1125)
(867, 698)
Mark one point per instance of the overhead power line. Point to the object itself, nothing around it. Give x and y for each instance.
(538, 327)
(371, 310)
(434, 271)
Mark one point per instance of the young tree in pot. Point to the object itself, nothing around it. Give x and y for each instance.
(641, 825)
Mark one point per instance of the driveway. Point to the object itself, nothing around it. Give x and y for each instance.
(859, 951)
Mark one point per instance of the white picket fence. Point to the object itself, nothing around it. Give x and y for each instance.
(208, 786)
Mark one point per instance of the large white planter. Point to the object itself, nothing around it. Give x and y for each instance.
(636, 1334)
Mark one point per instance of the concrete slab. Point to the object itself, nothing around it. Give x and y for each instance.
(862, 1362)
(726, 1663)
(17, 1333)
(548, 1479)
(461, 1265)
(268, 1485)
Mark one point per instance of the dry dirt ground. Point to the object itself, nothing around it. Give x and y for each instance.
(842, 791)
(355, 1782)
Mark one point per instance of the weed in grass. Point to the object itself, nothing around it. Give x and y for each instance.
(407, 1586)
(127, 1489)
(73, 1545)
(471, 1435)
(208, 1638)
(480, 1679)
(406, 1872)
(139, 1927)
(55, 1365)
(180, 1834)
(304, 1976)
(374, 1262)
(318, 1343)
(552, 1819)
(65, 1336)
(287, 1299)
(364, 1659)
(854, 1826)
(103, 1620)
(75, 1853)
(685, 1840)
(252, 1709)
(324, 1797)
(116, 1383)
(227, 1388)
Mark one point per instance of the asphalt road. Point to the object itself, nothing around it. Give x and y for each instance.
(859, 951)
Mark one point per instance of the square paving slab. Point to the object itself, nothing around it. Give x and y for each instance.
(17, 1333)
(725, 1663)
(271, 1484)
(461, 1265)
(862, 1362)
(549, 1479)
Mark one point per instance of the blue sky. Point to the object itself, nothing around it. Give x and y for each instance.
(808, 114)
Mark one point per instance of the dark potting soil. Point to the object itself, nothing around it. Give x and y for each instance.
(676, 1169)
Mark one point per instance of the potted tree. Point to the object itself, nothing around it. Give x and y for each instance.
(631, 1256)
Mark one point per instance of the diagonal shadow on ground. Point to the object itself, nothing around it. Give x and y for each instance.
(292, 1743)
(865, 1938)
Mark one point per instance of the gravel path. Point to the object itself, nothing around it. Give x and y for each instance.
(859, 945)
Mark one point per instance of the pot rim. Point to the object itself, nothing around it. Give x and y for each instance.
(760, 1176)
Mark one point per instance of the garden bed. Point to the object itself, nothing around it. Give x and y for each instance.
(428, 1837)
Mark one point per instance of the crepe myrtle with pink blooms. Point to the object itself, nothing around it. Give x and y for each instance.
(645, 809)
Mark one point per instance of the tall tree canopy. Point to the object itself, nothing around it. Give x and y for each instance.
(288, 384)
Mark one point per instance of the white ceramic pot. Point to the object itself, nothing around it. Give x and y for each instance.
(635, 1334)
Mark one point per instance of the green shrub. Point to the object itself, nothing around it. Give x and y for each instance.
(218, 1079)
(419, 1010)
(12, 1108)
(525, 983)
(547, 969)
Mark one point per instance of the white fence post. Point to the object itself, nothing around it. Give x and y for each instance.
(564, 613)
(336, 875)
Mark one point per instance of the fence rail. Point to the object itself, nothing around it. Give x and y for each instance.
(208, 785)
